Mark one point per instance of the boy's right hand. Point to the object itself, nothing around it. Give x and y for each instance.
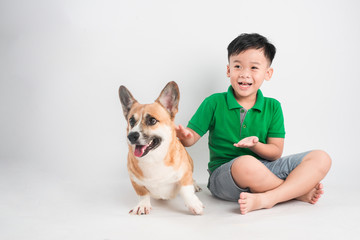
(183, 133)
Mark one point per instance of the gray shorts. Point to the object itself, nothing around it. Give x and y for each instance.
(222, 185)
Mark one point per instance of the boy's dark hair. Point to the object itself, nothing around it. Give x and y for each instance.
(247, 41)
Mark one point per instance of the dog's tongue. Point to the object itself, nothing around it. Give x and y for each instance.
(139, 150)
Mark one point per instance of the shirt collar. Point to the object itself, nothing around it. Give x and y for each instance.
(233, 104)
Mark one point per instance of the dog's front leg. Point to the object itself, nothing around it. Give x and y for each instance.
(191, 200)
(144, 205)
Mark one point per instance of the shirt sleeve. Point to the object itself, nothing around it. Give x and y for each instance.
(277, 127)
(202, 119)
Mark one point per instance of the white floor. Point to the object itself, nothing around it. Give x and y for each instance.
(47, 204)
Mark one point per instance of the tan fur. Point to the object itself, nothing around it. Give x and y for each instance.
(140, 190)
(133, 165)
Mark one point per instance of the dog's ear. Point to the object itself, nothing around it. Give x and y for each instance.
(126, 99)
(169, 98)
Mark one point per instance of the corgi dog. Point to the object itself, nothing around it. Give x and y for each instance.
(158, 164)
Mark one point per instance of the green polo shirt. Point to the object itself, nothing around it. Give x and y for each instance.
(220, 115)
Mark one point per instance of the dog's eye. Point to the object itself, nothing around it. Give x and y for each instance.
(132, 121)
(151, 121)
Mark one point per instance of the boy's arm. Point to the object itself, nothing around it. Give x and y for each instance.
(271, 151)
(187, 136)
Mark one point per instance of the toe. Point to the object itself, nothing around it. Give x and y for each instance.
(243, 211)
(243, 195)
(242, 201)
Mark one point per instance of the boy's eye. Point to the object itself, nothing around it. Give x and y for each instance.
(132, 121)
(254, 68)
(236, 66)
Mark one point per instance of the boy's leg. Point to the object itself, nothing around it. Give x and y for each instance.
(302, 183)
(232, 178)
(249, 172)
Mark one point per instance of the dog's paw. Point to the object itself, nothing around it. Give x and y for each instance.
(191, 200)
(144, 206)
(141, 209)
(195, 206)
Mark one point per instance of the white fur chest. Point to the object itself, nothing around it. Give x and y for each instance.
(161, 181)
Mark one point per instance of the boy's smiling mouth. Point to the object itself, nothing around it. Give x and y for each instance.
(244, 85)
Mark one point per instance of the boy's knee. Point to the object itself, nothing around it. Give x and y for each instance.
(244, 168)
(322, 159)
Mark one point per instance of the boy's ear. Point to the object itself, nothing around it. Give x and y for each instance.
(228, 70)
(169, 98)
(269, 73)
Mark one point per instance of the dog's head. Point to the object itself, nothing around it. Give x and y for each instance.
(150, 126)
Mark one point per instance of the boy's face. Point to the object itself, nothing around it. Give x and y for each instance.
(247, 71)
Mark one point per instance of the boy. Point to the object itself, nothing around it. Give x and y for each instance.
(246, 137)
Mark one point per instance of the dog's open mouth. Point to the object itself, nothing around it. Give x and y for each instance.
(142, 150)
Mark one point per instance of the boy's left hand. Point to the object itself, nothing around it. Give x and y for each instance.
(247, 142)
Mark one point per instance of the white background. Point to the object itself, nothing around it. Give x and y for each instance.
(62, 132)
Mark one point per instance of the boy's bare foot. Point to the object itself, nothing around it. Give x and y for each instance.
(253, 201)
(312, 196)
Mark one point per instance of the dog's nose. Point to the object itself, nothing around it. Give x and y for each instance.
(133, 137)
